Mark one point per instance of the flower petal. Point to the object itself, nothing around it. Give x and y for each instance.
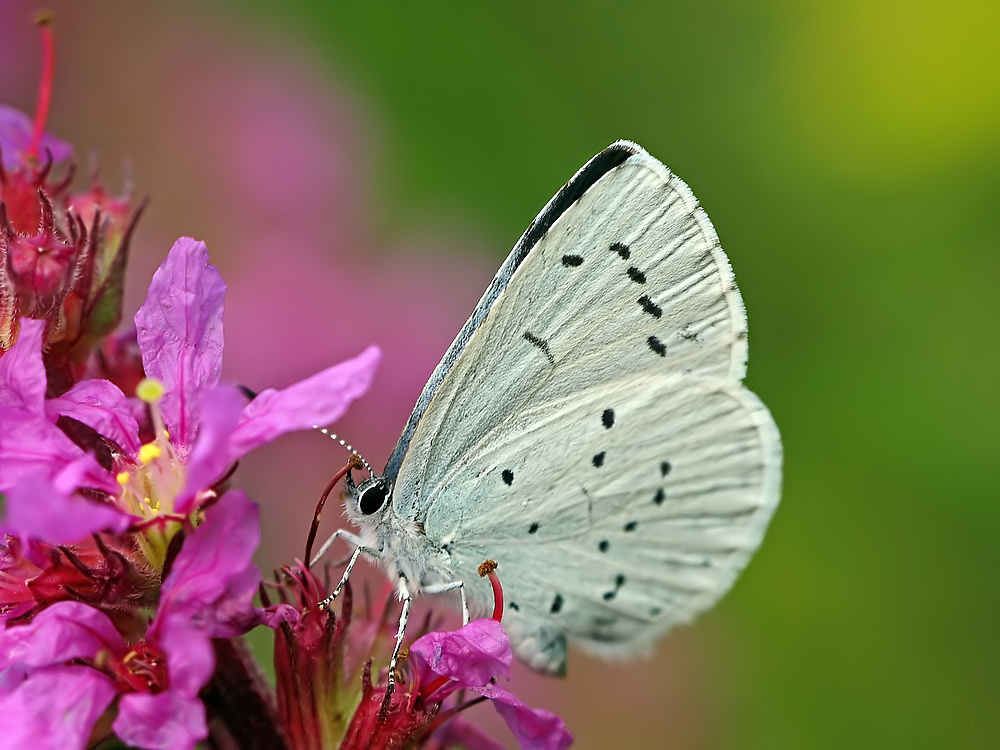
(16, 129)
(179, 329)
(190, 658)
(534, 728)
(57, 707)
(42, 508)
(167, 721)
(472, 655)
(317, 400)
(60, 632)
(214, 578)
(30, 443)
(22, 374)
(101, 405)
(209, 457)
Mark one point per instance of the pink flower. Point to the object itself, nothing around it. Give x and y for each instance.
(199, 428)
(471, 658)
(83, 655)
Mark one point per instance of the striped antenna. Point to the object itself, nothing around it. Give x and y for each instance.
(334, 436)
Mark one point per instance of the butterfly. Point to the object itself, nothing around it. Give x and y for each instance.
(588, 429)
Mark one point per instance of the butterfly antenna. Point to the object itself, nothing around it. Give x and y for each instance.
(333, 436)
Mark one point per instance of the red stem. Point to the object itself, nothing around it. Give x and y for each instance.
(44, 86)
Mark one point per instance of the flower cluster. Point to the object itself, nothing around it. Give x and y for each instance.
(126, 559)
(318, 651)
(104, 527)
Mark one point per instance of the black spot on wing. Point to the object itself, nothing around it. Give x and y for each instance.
(557, 604)
(622, 249)
(598, 459)
(660, 496)
(514, 606)
(657, 346)
(542, 344)
(603, 545)
(631, 525)
(608, 418)
(572, 260)
(636, 275)
(650, 307)
(507, 476)
(619, 582)
(533, 528)
(664, 468)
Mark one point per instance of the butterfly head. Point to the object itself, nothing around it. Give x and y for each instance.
(367, 501)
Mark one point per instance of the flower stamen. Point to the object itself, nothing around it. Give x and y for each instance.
(149, 452)
(488, 568)
(44, 23)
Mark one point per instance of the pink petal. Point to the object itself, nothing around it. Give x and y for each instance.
(213, 577)
(471, 655)
(209, 457)
(179, 330)
(60, 632)
(190, 658)
(56, 707)
(317, 400)
(31, 443)
(276, 614)
(16, 129)
(534, 728)
(22, 374)
(166, 721)
(101, 405)
(42, 508)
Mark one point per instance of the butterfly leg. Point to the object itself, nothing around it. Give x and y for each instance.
(359, 547)
(440, 588)
(404, 616)
(347, 536)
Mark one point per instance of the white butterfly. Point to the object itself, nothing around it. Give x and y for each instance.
(588, 429)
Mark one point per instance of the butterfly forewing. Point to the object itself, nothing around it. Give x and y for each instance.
(598, 386)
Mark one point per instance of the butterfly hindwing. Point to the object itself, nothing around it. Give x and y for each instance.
(621, 530)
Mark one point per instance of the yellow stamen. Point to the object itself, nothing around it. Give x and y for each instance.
(149, 390)
(149, 452)
(122, 478)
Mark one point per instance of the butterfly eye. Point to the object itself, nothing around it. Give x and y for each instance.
(371, 499)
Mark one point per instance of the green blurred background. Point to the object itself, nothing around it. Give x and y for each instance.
(849, 155)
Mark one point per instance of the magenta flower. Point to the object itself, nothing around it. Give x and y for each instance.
(84, 656)
(472, 658)
(199, 427)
